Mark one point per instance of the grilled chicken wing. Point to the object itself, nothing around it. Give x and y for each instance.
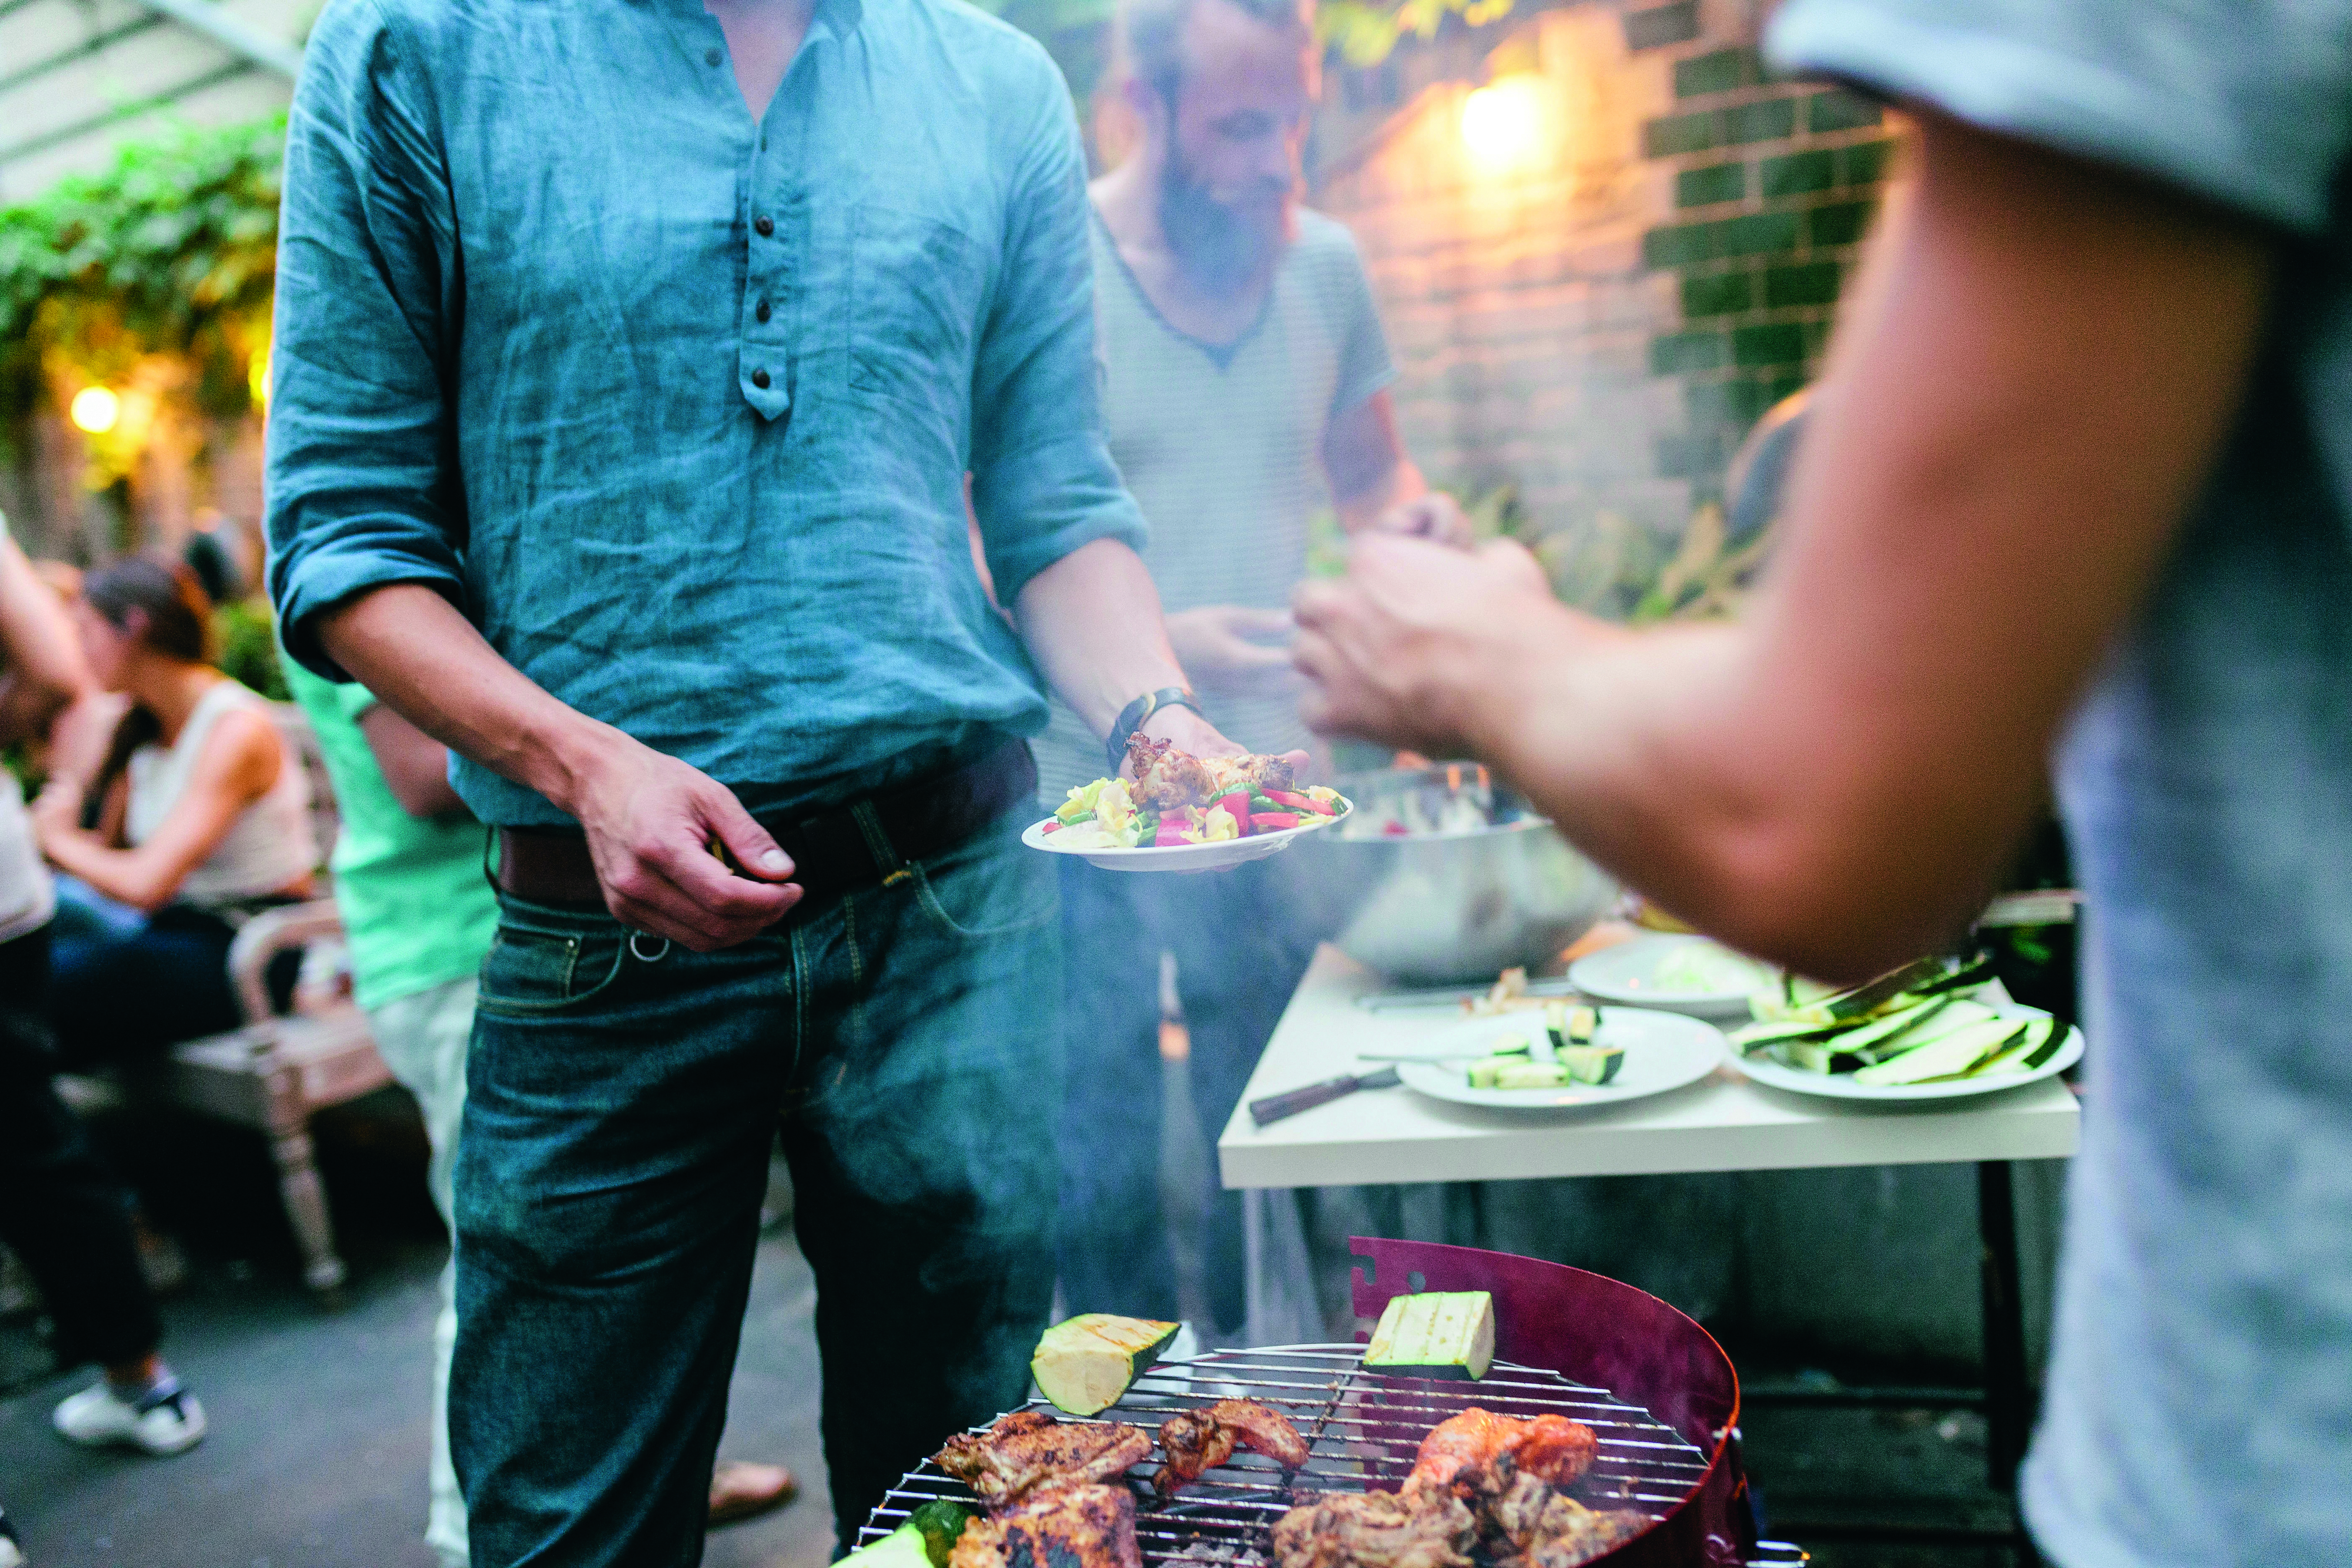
(1081, 1526)
(1572, 1534)
(1376, 1529)
(1268, 773)
(1166, 778)
(1527, 1524)
(1030, 1451)
(1198, 1440)
(1549, 1447)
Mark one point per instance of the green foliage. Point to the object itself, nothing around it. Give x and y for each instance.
(1612, 567)
(1076, 33)
(170, 252)
(247, 635)
(1366, 32)
(1361, 32)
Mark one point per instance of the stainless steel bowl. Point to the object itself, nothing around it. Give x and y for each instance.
(1459, 905)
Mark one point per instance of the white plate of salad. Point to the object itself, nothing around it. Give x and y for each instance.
(1567, 1058)
(1181, 813)
(1679, 973)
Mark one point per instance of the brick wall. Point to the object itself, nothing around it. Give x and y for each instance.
(1599, 323)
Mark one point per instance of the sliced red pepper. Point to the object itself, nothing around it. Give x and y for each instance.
(1301, 801)
(1274, 821)
(1053, 828)
(1237, 806)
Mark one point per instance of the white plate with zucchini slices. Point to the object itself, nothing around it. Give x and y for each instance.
(1521, 1061)
(1952, 1054)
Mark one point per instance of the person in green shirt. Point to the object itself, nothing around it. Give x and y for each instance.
(419, 915)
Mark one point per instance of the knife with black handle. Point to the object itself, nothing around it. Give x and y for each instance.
(1275, 1107)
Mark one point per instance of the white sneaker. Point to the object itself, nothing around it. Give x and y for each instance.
(170, 1423)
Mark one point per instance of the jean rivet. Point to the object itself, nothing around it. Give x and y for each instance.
(660, 952)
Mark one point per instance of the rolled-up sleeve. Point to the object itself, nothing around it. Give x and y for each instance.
(1043, 480)
(2245, 104)
(363, 485)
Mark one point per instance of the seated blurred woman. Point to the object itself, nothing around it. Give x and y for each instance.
(198, 818)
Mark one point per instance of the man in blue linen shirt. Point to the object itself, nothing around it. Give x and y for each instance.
(629, 359)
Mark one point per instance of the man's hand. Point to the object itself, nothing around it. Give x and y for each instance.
(651, 820)
(1432, 515)
(1401, 648)
(1229, 650)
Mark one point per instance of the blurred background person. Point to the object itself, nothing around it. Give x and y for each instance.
(419, 915)
(198, 817)
(62, 1212)
(1245, 385)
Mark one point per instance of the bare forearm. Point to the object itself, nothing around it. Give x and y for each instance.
(426, 663)
(415, 765)
(1092, 621)
(131, 876)
(1665, 758)
(1399, 484)
(652, 821)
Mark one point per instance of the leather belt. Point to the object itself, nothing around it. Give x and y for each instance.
(833, 852)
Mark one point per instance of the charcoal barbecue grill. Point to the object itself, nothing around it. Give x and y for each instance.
(1655, 1387)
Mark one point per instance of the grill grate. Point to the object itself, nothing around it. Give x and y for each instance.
(1362, 1429)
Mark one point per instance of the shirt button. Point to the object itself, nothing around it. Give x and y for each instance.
(712, 57)
(759, 379)
(766, 225)
(763, 311)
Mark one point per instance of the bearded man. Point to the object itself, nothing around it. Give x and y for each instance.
(1244, 371)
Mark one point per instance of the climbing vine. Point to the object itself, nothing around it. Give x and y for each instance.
(152, 280)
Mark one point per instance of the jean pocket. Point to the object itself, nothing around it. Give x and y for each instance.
(987, 886)
(533, 969)
(914, 300)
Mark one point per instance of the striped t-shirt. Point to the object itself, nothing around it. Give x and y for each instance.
(1222, 447)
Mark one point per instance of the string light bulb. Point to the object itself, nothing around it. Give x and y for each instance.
(95, 409)
(1504, 122)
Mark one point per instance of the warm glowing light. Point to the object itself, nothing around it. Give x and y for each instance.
(95, 409)
(1502, 123)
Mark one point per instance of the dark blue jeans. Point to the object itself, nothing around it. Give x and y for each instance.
(1241, 939)
(622, 1099)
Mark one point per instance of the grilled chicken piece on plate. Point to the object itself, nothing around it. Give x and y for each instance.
(1376, 1529)
(1166, 778)
(1083, 1526)
(1198, 1440)
(1029, 1450)
(1549, 1447)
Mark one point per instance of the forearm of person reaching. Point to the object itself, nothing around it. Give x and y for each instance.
(650, 818)
(2031, 385)
(1375, 485)
(1092, 622)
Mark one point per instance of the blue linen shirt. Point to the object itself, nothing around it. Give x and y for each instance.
(676, 405)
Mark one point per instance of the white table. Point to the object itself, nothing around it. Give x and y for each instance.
(1723, 1123)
